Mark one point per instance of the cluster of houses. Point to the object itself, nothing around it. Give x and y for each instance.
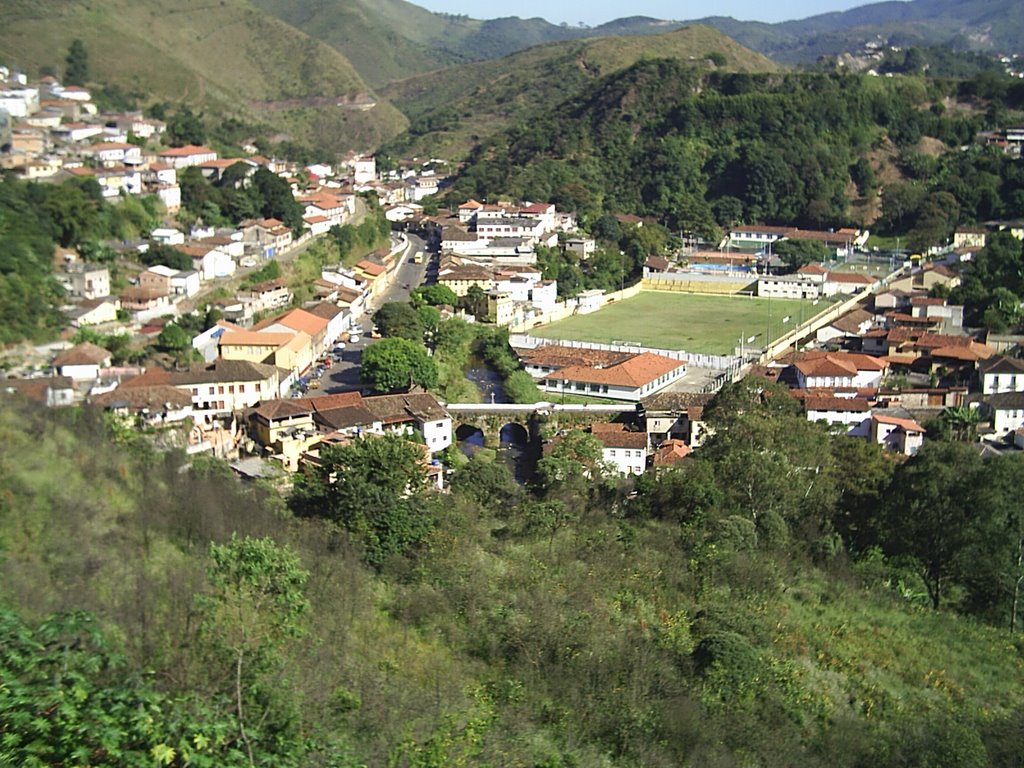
(245, 396)
(515, 294)
(1009, 139)
(502, 233)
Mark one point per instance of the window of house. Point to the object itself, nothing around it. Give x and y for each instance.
(604, 388)
(212, 390)
(231, 389)
(195, 391)
(220, 390)
(611, 452)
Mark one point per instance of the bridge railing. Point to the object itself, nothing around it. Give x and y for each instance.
(518, 408)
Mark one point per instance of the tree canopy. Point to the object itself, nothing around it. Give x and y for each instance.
(397, 364)
(76, 64)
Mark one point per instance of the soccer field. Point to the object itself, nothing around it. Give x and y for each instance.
(700, 324)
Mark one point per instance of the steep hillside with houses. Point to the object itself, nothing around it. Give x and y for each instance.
(228, 58)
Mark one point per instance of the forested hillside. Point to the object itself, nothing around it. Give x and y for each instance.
(768, 603)
(388, 40)
(452, 109)
(701, 151)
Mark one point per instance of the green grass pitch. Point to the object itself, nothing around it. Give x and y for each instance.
(700, 324)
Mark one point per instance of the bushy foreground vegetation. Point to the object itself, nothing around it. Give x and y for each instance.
(769, 603)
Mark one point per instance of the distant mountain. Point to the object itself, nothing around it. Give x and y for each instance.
(227, 57)
(984, 25)
(389, 40)
(452, 109)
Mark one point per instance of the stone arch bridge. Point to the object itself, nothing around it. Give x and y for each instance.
(492, 418)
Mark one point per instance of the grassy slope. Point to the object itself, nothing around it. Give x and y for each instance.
(224, 57)
(80, 519)
(489, 96)
(386, 39)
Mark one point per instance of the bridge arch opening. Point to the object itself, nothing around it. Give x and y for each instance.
(518, 451)
(469, 438)
(514, 433)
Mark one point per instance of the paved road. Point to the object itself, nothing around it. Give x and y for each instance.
(406, 277)
(343, 376)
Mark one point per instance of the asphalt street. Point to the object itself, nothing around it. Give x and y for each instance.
(343, 376)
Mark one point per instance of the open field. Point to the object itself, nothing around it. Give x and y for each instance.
(701, 324)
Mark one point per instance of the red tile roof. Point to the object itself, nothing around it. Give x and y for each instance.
(85, 353)
(634, 372)
(297, 319)
(187, 151)
(908, 425)
(671, 452)
(254, 339)
(617, 436)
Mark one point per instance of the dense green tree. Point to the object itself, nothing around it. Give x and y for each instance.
(167, 255)
(276, 199)
(174, 338)
(399, 319)
(772, 465)
(993, 569)
(799, 253)
(185, 127)
(488, 483)
(929, 515)
(374, 488)
(430, 317)
(682, 493)
(435, 295)
(397, 364)
(573, 464)
(76, 64)
(862, 472)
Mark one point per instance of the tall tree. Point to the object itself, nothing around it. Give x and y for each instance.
(277, 200)
(374, 489)
(399, 319)
(185, 127)
(930, 516)
(255, 604)
(994, 568)
(76, 63)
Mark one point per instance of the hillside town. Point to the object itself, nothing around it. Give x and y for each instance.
(385, 386)
(896, 357)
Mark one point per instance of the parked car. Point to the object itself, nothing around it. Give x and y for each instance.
(339, 347)
(353, 340)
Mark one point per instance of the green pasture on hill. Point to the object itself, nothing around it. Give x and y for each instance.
(701, 324)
